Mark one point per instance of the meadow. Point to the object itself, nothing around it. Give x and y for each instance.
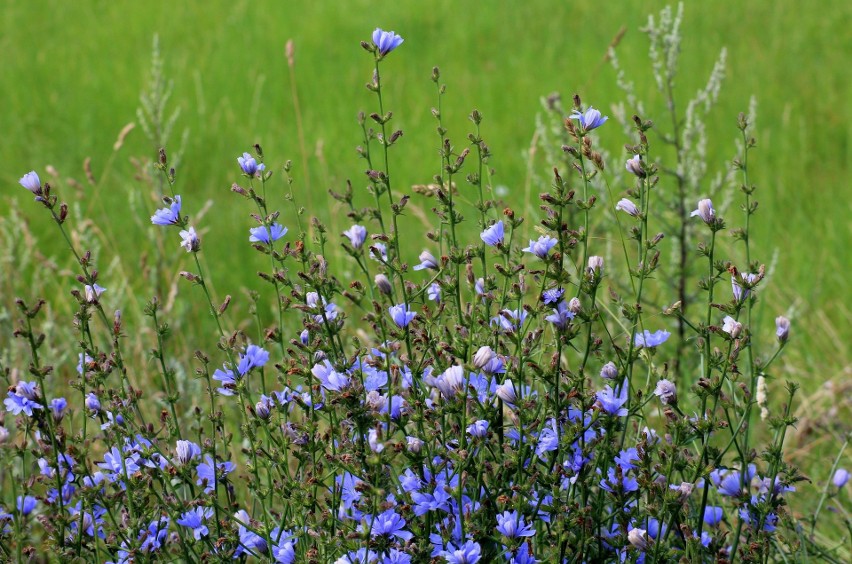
(78, 70)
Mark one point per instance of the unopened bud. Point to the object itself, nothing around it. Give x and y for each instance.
(483, 356)
(383, 284)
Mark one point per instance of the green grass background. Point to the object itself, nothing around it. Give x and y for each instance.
(72, 73)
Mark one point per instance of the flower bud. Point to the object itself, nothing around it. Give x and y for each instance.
(627, 206)
(596, 265)
(638, 538)
(732, 327)
(609, 371)
(574, 306)
(261, 409)
(666, 391)
(383, 284)
(506, 392)
(4, 435)
(782, 328)
(705, 211)
(841, 476)
(634, 167)
(415, 445)
(304, 337)
(483, 356)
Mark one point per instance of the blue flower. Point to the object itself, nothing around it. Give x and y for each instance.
(229, 382)
(249, 165)
(186, 451)
(522, 556)
(169, 215)
(705, 211)
(207, 472)
(434, 292)
(510, 320)
(194, 519)
(627, 206)
(713, 515)
(92, 402)
(389, 524)
(117, 466)
(93, 292)
(189, 240)
(31, 182)
(561, 316)
(648, 339)
(427, 260)
(401, 315)
(626, 458)
(840, 478)
(468, 553)
(254, 357)
(361, 556)
(745, 279)
(263, 235)
(478, 429)
(58, 406)
(611, 483)
(379, 252)
(26, 504)
(634, 166)
(510, 526)
(250, 542)
(284, 547)
(23, 399)
(357, 234)
(541, 247)
(395, 556)
(589, 120)
(386, 41)
(493, 235)
(154, 535)
(552, 295)
(330, 379)
(611, 401)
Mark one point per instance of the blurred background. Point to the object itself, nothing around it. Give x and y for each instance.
(74, 72)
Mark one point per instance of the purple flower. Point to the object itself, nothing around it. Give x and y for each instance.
(284, 547)
(427, 260)
(705, 211)
(666, 391)
(596, 265)
(189, 240)
(83, 361)
(194, 519)
(479, 286)
(31, 182)
(627, 206)
(541, 247)
(727, 482)
(117, 466)
(589, 120)
(249, 165)
(611, 401)
(468, 553)
(648, 339)
(330, 379)
(254, 357)
(26, 504)
(389, 524)
(740, 293)
(169, 215)
(478, 429)
(841, 476)
(386, 41)
(250, 542)
(626, 458)
(261, 234)
(401, 315)
(634, 167)
(229, 382)
(561, 316)
(511, 526)
(493, 235)
(483, 356)
(506, 392)
(552, 296)
(357, 234)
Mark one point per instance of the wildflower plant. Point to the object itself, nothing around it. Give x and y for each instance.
(486, 403)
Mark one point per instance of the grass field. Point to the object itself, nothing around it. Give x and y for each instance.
(73, 72)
